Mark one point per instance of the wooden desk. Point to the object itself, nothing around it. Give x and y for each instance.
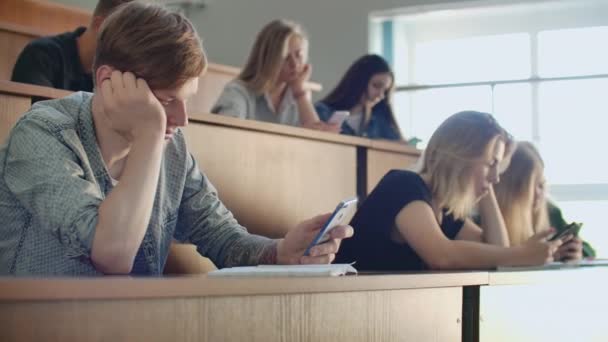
(273, 176)
(43, 16)
(553, 305)
(16, 99)
(383, 156)
(417, 307)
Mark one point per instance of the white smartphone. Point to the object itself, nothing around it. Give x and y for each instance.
(343, 213)
(338, 117)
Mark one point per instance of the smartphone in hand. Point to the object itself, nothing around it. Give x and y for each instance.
(571, 229)
(343, 213)
(338, 117)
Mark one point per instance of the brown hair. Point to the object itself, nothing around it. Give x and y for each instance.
(460, 140)
(105, 7)
(155, 44)
(267, 54)
(515, 195)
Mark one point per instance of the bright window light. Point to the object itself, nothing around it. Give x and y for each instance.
(431, 107)
(513, 109)
(573, 124)
(573, 52)
(499, 57)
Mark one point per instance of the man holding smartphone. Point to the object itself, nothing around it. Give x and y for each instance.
(102, 183)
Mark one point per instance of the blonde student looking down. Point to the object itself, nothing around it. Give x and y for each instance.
(523, 201)
(418, 220)
(272, 85)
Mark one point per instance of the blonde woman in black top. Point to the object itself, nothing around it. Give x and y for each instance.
(418, 220)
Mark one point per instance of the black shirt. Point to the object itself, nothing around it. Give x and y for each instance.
(53, 62)
(371, 246)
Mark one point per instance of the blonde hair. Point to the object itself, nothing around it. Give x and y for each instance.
(515, 195)
(160, 46)
(268, 53)
(461, 139)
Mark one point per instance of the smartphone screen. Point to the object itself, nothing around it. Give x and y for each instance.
(343, 213)
(571, 229)
(338, 117)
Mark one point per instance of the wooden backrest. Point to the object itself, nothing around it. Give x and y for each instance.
(43, 16)
(13, 38)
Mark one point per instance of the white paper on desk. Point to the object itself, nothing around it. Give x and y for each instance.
(330, 270)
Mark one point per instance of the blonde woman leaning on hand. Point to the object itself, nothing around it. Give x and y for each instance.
(272, 85)
(522, 200)
(418, 220)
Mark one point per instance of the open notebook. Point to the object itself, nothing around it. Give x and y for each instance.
(556, 265)
(285, 271)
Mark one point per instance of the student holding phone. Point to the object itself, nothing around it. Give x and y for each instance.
(101, 183)
(364, 91)
(522, 199)
(416, 220)
(272, 85)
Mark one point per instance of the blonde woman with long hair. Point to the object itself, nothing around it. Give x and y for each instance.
(522, 200)
(272, 85)
(415, 220)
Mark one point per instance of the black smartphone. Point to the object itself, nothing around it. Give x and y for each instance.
(571, 229)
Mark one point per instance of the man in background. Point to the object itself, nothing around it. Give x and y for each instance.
(64, 61)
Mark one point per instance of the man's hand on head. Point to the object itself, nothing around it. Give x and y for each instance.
(131, 108)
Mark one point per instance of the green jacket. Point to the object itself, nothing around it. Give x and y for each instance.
(556, 220)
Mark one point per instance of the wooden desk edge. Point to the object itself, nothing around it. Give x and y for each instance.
(16, 88)
(22, 89)
(279, 129)
(390, 146)
(52, 289)
(21, 29)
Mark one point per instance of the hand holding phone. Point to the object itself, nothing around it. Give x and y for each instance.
(338, 117)
(571, 229)
(343, 213)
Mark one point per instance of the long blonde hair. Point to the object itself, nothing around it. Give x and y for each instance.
(268, 53)
(460, 140)
(515, 195)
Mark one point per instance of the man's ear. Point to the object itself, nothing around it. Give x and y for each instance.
(103, 72)
(96, 22)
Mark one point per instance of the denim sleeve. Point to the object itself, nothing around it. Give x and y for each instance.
(47, 178)
(323, 110)
(206, 222)
(234, 101)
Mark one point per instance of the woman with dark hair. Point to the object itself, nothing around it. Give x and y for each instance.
(364, 91)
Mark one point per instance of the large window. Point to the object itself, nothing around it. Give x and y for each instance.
(540, 68)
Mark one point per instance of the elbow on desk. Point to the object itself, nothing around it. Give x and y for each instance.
(111, 261)
(441, 262)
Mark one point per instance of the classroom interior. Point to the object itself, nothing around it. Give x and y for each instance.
(537, 66)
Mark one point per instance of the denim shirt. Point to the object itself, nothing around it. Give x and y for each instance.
(378, 127)
(53, 180)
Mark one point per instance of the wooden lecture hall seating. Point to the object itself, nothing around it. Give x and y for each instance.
(271, 177)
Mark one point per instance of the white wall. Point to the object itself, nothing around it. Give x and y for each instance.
(337, 28)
